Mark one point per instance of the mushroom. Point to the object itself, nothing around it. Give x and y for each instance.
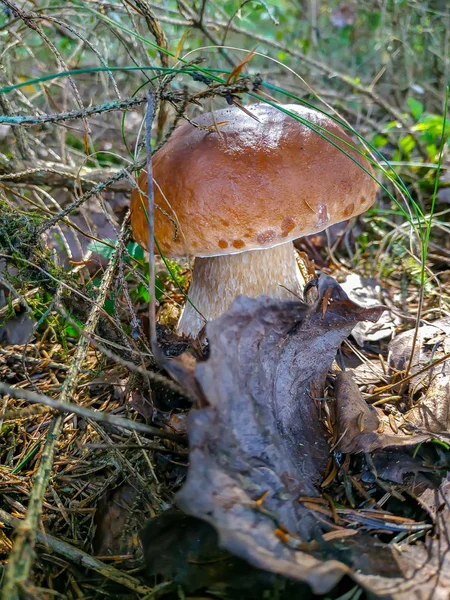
(235, 191)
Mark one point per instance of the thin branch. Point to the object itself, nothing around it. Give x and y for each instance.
(30, 121)
(78, 557)
(21, 557)
(86, 413)
(151, 223)
(58, 175)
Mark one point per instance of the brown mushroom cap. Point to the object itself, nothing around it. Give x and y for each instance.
(246, 184)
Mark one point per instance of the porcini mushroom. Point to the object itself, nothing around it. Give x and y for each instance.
(235, 191)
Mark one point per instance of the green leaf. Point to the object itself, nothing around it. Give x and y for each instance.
(103, 249)
(143, 293)
(72, 331)
(431, 126)
(305, 44)
(391, 125)
(407, 144)
(379, 141)
(135, 251)
(109, 306)
(374, 19)
(432, 151)
(415, 107)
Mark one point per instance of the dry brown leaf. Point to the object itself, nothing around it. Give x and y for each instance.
(262, 433)
(17, 330)
(258, 445)
(379, 430)
(367, 292)
(432, 410)
(428, 419)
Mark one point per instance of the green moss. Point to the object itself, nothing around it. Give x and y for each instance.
(30, 265)
(7, 428)
(18, 231)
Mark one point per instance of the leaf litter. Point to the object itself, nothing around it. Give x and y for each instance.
(267, 428)
(419, 414)
(366, 291)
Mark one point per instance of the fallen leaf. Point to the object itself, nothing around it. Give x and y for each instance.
(367, 373)
(436, 501)
(432, 410)
(258, 445)
(380, 430)
(17, 329)
(261, 435)
(367, 292)
(394, 465)
(142, 405)
(429, 417)
(185, 550)
(426, 566)
(177, 423)
(116, 521)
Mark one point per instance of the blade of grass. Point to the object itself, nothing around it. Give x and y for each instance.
(341, 122)
(27, 458)
(426, 242)
(330, 137)
(187, 70)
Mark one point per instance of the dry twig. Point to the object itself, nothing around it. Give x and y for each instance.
(21, 557)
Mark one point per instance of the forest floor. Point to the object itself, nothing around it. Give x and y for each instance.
(330, 479)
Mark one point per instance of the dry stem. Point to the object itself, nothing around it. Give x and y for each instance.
(79, 557)
(21, 557)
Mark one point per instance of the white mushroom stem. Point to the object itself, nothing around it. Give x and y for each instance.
(218, 280)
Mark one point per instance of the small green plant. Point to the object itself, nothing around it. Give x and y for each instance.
(428, 127)
(135, 257)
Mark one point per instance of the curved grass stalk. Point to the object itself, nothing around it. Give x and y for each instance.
(396, 179)
(187, 70)
(428, 225)
(421, 227)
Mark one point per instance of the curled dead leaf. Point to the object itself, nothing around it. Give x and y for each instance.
(427, 419)
(258, 445)
(379, 430)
